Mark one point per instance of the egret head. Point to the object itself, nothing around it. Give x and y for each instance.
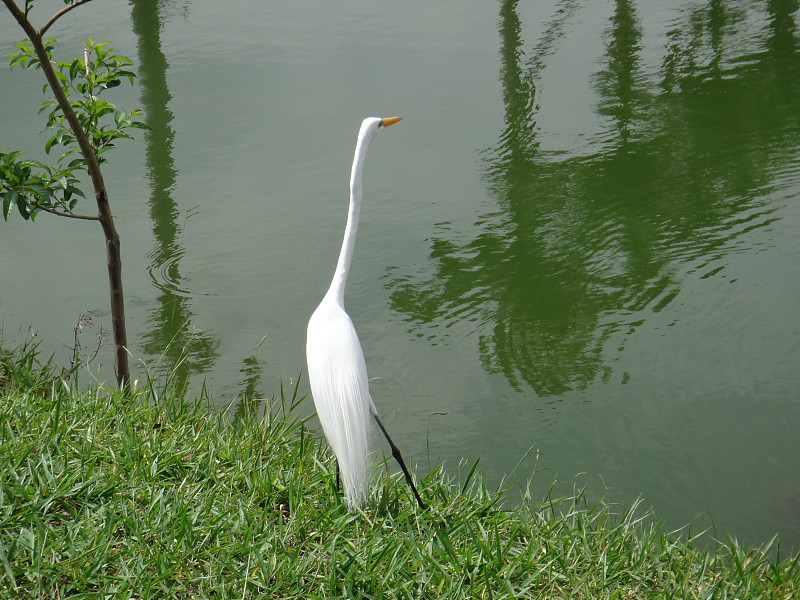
(372, 125)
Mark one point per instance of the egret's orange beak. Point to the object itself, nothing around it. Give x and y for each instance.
(390, 121)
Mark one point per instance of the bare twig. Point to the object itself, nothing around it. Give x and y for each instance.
(65, 214)
(85, 321)
(60, 14)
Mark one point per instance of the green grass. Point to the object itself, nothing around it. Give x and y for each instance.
(155, 496)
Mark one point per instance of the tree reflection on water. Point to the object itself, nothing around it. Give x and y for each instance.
(170, 335)
(586, 243)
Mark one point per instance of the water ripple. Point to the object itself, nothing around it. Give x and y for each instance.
(165, 274)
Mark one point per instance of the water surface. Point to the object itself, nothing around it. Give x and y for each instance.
(580, 242)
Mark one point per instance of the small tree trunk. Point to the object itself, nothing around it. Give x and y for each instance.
(114, 262)
(113, 254)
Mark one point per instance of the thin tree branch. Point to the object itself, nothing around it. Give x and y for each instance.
(60, 14)
(52, 211)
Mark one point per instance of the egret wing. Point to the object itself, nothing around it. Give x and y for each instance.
(339, 385)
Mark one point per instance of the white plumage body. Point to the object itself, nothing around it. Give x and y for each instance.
(339, 384)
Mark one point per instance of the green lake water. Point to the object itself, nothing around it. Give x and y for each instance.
(578, 253)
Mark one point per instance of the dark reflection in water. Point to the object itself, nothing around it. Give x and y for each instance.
(251, 401)
(583, 247)
(170, 336)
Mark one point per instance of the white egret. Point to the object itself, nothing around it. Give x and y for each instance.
(336, 368)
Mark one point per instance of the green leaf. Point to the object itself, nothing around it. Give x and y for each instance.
(120, 60)
(77, 191)
(29, 162)
(65, 155)
(47, 104)
(35, 164)
(7, 566)
(9, 200)
(60, 137)
(15, 59)
(128, 74)
(446, 544)
(42, 194)
(20, 172)
(103, 109)
(49, 44)
(469, 476)
(75, 68)
(12, 156)
(22, 205)
(24, 57)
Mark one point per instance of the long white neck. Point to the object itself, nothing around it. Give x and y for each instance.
(345, 256)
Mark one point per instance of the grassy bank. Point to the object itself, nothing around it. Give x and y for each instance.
(157, 497)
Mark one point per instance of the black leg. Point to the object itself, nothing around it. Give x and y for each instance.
(338, 488)
(399, 458)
